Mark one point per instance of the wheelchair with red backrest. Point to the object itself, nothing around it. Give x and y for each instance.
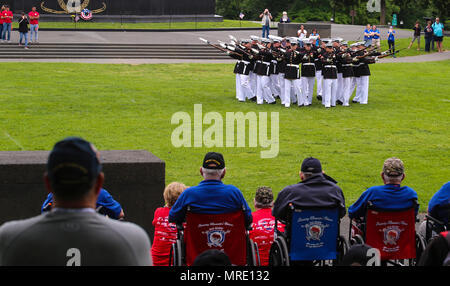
(435, 225)
(311, 237)
(392, 232)
(226, 232)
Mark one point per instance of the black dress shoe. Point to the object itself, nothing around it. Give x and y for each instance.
(354, 101)
(338, 102)
(253, 98)
(319, 97)
(273, 102)
(300, 105)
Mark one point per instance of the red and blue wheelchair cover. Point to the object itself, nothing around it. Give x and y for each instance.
(314, 234)
(392, 233)
(225, 232)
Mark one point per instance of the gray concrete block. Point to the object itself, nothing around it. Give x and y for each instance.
(290, 29)
(136, 179)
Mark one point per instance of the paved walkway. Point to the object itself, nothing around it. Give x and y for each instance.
(413, 59)
(418, 59)
(348, 32)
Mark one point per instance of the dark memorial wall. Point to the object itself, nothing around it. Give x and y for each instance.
(119, 7)
(135, 178)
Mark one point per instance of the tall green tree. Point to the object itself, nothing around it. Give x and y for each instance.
(323, 10)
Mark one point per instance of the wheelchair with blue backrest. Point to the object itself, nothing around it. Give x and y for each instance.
(226, 232)
(392, 232)
(435, 225)
(311, 237)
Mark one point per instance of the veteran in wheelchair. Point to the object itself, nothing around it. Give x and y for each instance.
(438, 217)
(384, 217)
(311, 211)
(216, 216)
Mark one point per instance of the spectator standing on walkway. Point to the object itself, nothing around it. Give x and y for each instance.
(302, 33)
(315, 34)
(368, 35)
(1, 22)
(376, 41)
(266, 17)
(428, 31)
(23, 30)
(7, 16)
(34, 25)
(438, 30)
(391, 40)
(417, 29)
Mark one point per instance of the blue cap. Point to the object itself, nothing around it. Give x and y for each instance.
(73, 161)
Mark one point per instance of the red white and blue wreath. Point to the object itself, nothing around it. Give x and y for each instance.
(86, 14)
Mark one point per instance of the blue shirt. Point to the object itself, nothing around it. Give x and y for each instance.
(437, 29)
(440, 198)
(317, 41)
(367, 37)
(113, 208)
(210, 197)
(378, 34)
(390, 197)
(391, 36)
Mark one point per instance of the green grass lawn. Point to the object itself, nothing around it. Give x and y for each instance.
(173, 25)
(121, 107)
(404, 43)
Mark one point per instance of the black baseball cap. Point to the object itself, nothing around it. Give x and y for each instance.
(311, 165)
(73, 161)
(213, 160)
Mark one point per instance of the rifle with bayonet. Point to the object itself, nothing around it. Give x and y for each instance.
(233, 48)
(367, 54)
(221, 48)
(384, 54)
(349, 51)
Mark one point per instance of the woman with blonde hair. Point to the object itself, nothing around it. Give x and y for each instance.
(165, 232)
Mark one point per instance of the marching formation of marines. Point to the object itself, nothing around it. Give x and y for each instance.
(275, 67)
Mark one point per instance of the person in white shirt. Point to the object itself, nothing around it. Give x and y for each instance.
(302, 33)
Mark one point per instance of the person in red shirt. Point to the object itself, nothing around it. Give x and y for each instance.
(1, 22)
(7, 16)
(34, 24)
(165, 232)
(262, 232)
